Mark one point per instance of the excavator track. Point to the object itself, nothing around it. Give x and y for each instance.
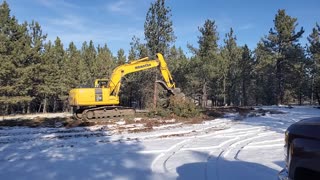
(103, 113)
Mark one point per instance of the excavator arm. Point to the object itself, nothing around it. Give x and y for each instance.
(139, 65)
(165, 72)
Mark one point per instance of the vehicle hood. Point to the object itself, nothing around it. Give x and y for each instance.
(306, 128)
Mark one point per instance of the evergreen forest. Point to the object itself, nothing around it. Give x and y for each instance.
(36, 74)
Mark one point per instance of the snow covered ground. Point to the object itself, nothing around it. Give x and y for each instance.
(221, 149)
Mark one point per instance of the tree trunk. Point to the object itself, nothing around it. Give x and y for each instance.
(7, 109)
(204, 95)
(54, 104)
(318, 97)
(280, 83)
(10, 109)
(244, 93)
(28, 107)
(23, 108)
(224, 91)
(44, 110)
(66, 106)
(300, 97)
(131, 97)
(155, 93)
(312, 90)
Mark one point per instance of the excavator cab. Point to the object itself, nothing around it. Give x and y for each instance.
(101, 83)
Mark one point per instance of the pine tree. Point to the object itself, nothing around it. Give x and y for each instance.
(246, 64)
(298, 70)
(57, 77)
(231, 55)
(136, 89)
(33, 79)
(159, 34)
(47, 74)
(158, 28)
(177, 63)
(72, 66)
(314, 49)
(121, 58)
(203, 66)
(14, 47)
(280, 39)
(88, 55)
(137, 50)
(265, 84)
(208, 41)
(105, 62)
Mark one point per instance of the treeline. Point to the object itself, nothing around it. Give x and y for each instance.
(36, 74)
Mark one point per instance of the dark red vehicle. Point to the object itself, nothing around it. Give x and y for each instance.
(302, 151)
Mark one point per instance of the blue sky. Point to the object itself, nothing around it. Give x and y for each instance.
(115, 22)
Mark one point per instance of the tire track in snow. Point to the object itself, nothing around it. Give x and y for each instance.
(266, 142)
(235, 148)
(227, 146)
(231, 151)
(159, 164)
(220, 134)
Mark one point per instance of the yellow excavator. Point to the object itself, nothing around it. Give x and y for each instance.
(102, 101)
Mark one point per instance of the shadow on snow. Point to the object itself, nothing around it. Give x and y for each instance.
(218, 168)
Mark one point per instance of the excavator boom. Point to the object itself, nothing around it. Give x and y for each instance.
(140, 65)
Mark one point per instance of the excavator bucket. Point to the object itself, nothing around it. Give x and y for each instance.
(171, 91)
